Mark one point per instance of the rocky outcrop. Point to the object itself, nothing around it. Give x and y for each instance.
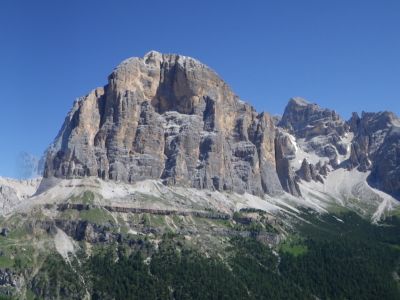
(310, 172)
(89, 232)
(167, 116)
(138, 210)
(306, 172)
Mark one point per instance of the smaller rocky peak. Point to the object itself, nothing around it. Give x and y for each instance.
(307, 120)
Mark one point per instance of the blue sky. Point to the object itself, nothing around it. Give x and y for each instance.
(340, 54)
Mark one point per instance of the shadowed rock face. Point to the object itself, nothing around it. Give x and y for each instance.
(370, 131)
(376, 147)
(170, 117)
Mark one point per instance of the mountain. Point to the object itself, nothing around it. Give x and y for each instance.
(170, 118)
(163, 184)
(167, 117)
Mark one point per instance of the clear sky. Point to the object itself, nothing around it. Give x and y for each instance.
(340, 54)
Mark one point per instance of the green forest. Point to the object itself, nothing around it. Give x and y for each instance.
(323, 258)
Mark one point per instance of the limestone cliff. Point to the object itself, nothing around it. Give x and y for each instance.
(171, 117)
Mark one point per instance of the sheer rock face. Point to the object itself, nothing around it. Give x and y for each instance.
(370, 131)
(169, 117)
(385, 174)
(376, 147)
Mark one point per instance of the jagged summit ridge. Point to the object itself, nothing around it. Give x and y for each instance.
(369, 143)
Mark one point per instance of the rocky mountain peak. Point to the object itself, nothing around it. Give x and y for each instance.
(169, 117)
(318, 130)
(172, 82)
(306, 120)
